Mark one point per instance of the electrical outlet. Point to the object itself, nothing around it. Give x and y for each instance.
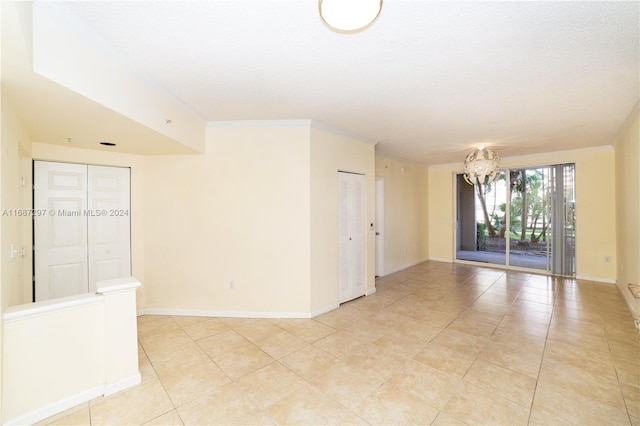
(636, 322)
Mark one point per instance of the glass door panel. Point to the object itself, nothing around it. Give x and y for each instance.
(529, 218)
(480, 221)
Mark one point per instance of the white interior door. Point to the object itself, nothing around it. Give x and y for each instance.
(109, 224)
(379, 227)
(60, 233)
(84, 234)
(351, 233)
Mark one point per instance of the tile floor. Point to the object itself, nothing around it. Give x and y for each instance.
(437, 344)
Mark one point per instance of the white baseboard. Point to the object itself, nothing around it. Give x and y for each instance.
(222, 314)
(596, 279)
(370, 291)
(57, 407)
(324, 310)
(123, 384)
(441, 259)
(634, 312)
(632, 302)
(240, 314)
(403, 267)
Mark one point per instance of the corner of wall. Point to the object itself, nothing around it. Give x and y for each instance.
(627, 194)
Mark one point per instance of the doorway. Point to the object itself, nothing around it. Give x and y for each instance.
(525, 218)
(82, 227)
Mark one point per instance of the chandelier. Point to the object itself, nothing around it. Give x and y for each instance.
(349, 16)
(481, 166)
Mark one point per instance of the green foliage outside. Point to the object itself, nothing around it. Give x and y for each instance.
(529, 204)
(481, 230)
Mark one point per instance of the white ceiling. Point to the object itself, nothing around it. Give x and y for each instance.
(428, 81)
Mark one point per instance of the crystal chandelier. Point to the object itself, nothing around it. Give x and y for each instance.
(481, 166)
(349, 16)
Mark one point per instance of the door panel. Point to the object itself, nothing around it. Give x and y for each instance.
(60, 234)
(344, 252)
(67, 224)
(66, 280)
(351, 233)
(109, 224)
(84, 235)
(466, 220)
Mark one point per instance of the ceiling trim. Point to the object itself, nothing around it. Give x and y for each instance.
(383, 154)
(517, 158)
(290, 123)
(323, 126)
(259, 123)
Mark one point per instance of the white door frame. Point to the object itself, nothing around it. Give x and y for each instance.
(379, 226)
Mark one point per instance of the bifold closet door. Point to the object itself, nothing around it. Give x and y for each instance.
(60, 230)
(351, 233)
(81, 227)
(109, 247)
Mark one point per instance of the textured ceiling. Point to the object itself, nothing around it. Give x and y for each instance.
(427, 81)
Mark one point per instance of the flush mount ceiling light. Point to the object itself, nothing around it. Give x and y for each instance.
(481, 166)
(349, 16)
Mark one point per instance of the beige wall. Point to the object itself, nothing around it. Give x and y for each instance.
(627, 153)
(2, 299)
(258, 210)
(237, 214)
(406, 233)
(70, 154)
(15, 273)
(595, 208)
(242, 214)
(332, 152)
(441, 212)
(16, 231)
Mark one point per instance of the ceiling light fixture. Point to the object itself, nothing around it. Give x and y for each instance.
(481, 166)
(349, 16)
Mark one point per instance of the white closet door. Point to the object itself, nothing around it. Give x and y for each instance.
(84, 234)
(108, 224)
(351, 233)
(60, 193)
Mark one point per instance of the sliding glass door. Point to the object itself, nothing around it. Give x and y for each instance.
(530, 218)
(524, 218)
